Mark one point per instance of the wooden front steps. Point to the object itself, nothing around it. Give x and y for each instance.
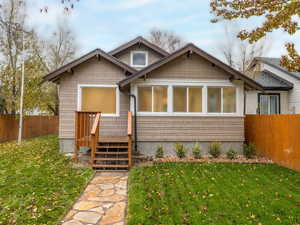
(107, 153)
(111, 159)
(111, 154)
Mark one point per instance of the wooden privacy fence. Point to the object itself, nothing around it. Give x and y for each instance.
(276, 137)
(34, 126)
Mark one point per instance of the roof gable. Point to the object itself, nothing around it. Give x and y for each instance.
(139, 40)
(275, 62)
(53, 76)
(191, 49)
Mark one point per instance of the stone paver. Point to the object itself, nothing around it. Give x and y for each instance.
(102, 203)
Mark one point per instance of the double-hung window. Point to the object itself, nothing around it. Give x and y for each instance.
(187, 99)
(153, 99)
(221, 99)
(269, 103)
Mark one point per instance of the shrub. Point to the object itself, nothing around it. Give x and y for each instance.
(231, 154)
(249, 150)
(215, 149)
(197, 151)
(180, 150)
(159, 152)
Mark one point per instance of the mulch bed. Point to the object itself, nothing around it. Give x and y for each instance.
(206, 158)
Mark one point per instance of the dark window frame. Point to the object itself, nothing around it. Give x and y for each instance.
(279, 101)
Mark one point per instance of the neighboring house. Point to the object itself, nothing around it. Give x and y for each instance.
(281, 93)
(187, 96)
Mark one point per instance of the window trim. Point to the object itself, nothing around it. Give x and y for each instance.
(198, 83)
(79, 99)
(139, 66)
(279, 102)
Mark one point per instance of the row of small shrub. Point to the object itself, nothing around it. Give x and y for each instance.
(214, 150)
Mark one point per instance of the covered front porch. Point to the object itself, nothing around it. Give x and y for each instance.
(104, 152)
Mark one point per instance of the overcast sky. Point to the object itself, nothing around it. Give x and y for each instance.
(106, 24)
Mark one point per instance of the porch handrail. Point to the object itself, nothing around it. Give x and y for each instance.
(95, 136)
(84, 121)
(96, 124)
(129, 127)
(129, 132)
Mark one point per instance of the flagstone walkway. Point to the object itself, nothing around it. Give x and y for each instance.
(102, 203)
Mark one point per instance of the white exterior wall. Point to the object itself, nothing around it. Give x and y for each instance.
(289, 100)
(252, 101)
(294, 94)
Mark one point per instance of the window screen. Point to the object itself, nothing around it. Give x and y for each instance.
(213, 100)
(145, 99)
(180, 99)
(229, 100)
(160, 98)
(195, 99)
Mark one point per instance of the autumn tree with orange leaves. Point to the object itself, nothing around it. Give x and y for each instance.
(279, 14)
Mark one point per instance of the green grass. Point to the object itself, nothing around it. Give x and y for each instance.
(37, 183)
(214, 193)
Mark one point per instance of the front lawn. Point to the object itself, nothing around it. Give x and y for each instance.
(37, 183)
(214, 193)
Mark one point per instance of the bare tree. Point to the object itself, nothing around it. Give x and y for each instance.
(237, 53)
(165, 39)
(55, 52)
(59, 49)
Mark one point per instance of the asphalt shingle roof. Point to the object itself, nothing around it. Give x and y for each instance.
(271, 81)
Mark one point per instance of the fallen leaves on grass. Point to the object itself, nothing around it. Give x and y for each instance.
(37, 183)
(213, 193)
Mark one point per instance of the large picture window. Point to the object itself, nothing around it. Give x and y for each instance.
(153, 99)
(187, 99)
(269, 103)
(99, 99)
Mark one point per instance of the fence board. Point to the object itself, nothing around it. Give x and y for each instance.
(34, 126)
(276, 137)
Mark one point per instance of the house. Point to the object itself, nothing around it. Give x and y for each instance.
(281, 94)
(187, 96)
